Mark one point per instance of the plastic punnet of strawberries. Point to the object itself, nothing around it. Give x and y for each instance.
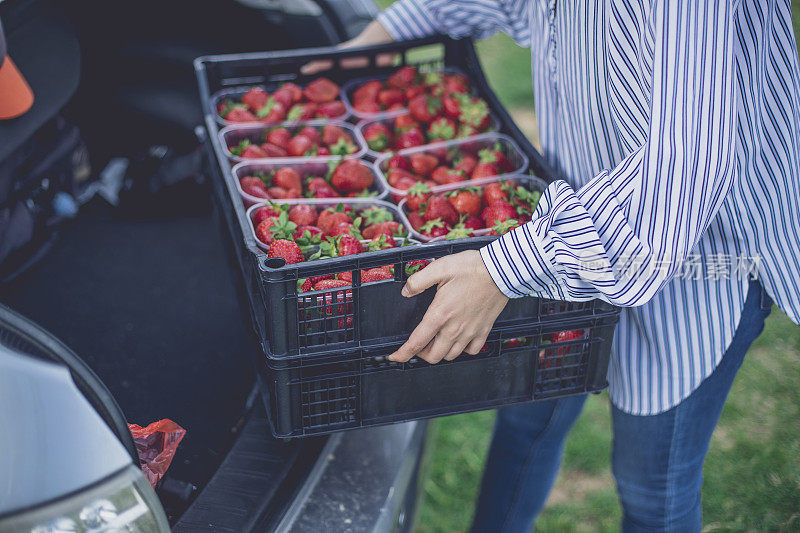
(497, 207)
(304, 141)
(440, 108)
(442, 166)
(335, 179)
(304, 232)
(319, 99)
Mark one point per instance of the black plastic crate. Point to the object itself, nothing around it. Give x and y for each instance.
(325, 351)
(314, 396)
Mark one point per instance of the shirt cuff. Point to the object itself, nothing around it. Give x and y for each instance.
(518, 266)
(408, 19)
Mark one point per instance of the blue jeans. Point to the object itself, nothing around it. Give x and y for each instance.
(657, 460)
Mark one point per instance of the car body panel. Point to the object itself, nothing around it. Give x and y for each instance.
(53, 442)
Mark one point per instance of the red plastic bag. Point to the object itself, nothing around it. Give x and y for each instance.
(156, 445)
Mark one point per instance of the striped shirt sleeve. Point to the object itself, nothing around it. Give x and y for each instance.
(625, 234)
(410, 19)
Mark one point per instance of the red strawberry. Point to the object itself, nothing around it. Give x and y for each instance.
(342, 228)
(279, 137)
(326, 284)
(271, 112)
(403, 77)
(303, 215)
(349, 245)
(367, 107)
(312, 133)
(496, 157)
(410, 139)
(252, 151)
(416, 220)
(252, 181)
(417, 195)
(305, 285)
(283, 97)
(239, 114)
(274, 228)
(300, 112)
(567, 336)
(498, 212)
(255, 98)
(466, 163)
(263, 213)
(456, 83)
(331, 133)
(425, 108)
(273, 151)
(389, 97)
(376, 274)
(474, 112)
(459, 231)
(293, 90)
(414, 90)
(257, 192)
(367, 93)
(442, 129)
(319, 188)
(451, 104)
(390, 228)
(435, 228)
(466, 201)
(352, 175)
(288, 178)
(382, 242)
(439, 207)
(494, 192)
(323, 151)
(422, 164)
(333, 109)
(415, 266)
(288, 250)
(443, 175)
(321, 90)
(503, 227)
(308, 234)
(405, 122)
(299, 145)
(396, 174)
(399, 161)
(330, 217)
(484, 170)
(473, 223)
(378, 136)
(403, 184)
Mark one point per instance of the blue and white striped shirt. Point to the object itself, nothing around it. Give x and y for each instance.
(677, 128)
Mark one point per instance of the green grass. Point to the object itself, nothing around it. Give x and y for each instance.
(752, 472)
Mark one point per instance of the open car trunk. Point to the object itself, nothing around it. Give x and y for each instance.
(151, 305)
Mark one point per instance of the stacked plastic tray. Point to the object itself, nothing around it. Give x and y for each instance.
(324, 365)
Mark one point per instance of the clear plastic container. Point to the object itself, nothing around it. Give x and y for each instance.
(529, 182)
(388, 118)
(348, 88)
(358, 205)
(233, 135)
(305, 166)
(451, 148)
(236, 93)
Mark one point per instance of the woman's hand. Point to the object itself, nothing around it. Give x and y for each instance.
(374, 33)
(462, 313)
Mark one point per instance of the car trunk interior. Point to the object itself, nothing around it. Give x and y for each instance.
(148, 295)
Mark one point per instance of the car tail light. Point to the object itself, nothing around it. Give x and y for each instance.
(123, 502)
